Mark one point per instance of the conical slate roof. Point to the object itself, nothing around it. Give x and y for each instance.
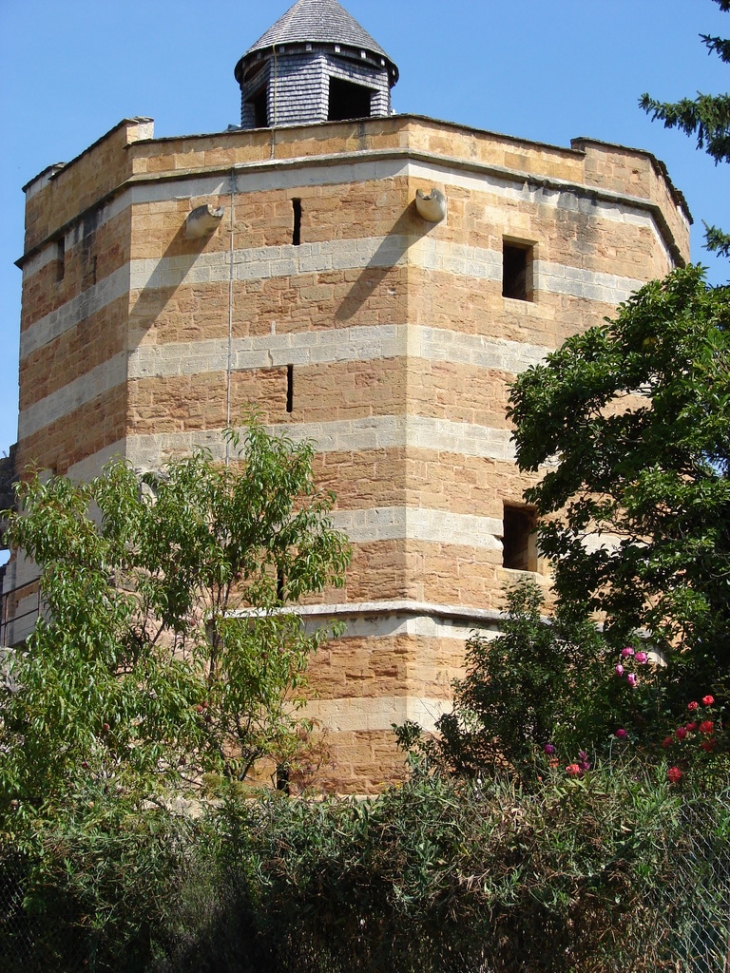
(320, 22)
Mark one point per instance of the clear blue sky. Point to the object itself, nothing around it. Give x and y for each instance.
(548, 71)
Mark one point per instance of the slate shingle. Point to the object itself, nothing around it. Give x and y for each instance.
(317, 21)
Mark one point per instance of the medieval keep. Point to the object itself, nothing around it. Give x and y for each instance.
(367, 280)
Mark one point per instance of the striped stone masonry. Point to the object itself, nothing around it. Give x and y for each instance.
(323, 300)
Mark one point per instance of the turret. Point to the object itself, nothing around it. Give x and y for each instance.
(315, 64)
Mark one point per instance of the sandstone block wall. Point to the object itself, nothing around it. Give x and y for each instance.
(394, 333)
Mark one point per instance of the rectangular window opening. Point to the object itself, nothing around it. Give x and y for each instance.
(348, 100)
(517, 271)
(60, 259)
(260, 105)
(519, 539)
(282, 778)
(289, 388)
(297, 232)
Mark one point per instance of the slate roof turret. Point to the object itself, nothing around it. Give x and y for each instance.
(318, 22)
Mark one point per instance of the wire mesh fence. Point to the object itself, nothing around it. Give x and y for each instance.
(40, 930)
(43, 929)
(697, 904)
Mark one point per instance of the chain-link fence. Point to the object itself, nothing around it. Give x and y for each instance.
(40, 930)
(695, 908)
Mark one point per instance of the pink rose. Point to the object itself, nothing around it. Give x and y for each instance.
(642, 658)
(627, 652)
(619, 670)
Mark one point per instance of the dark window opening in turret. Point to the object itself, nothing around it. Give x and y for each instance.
(348, 100)
(517, 271)
(519, 539)
(260, 106)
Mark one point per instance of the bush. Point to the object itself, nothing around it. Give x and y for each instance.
(440, 875)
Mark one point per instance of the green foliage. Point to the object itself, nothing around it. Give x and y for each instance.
(631, 424)
(95, 884)
(166, 650)
(707, 117)
(540, 682)
(440, 875)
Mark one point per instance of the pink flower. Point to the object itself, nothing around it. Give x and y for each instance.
(619, 670)
(667, 741)
(631, 679)
(621, 734)
(708, 700)
(709, 745)
(549, 749)
(707, 727)
(585, 765)
(675, 775)
(681, 732)
(690, 726)
(642, 658)
(583, 755)
(573, 770)
(692, 706)
(627, 652)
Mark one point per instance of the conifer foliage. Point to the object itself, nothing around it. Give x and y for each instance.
(707, 117)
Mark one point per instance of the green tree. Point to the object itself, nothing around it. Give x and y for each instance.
(630, 423)
(554, 683)
(166, 650)
(707, 117)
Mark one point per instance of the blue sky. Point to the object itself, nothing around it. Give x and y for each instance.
(548, 71)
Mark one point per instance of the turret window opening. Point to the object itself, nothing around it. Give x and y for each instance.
(260, 104)
(348, 100)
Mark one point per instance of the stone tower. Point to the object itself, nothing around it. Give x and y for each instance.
(369, 281)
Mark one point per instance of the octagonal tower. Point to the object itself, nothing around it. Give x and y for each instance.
(372, 285)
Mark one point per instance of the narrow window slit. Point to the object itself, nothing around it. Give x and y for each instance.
(60, 259)
(289, 388)
(297, 234)
(280, 584)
